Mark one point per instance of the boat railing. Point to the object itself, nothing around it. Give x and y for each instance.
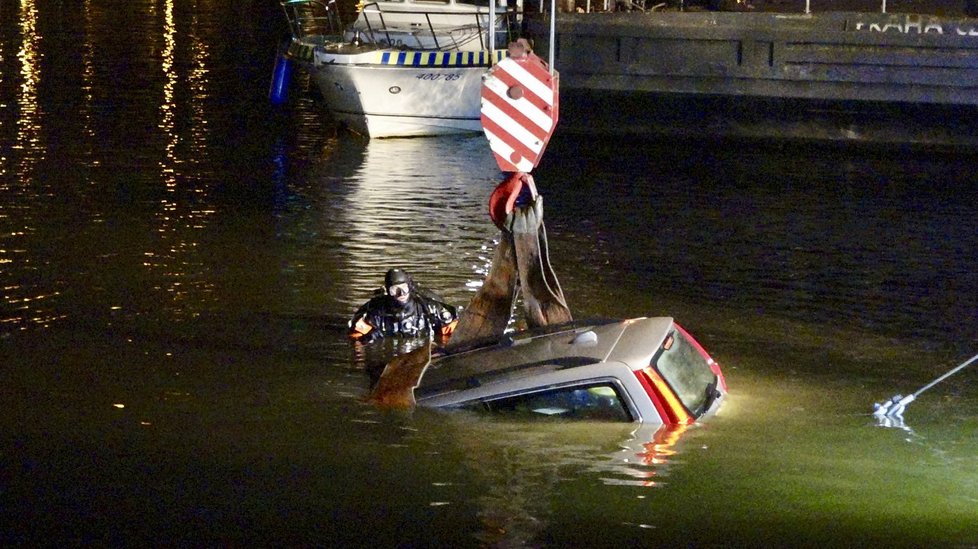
(437, 30)
(373, 7)
(313, 20)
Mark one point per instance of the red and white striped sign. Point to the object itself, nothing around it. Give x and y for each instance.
(519, 111)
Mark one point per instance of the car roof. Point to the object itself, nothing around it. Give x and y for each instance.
(538, 352)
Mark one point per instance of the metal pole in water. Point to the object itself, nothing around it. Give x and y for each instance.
(947, 375)
(492, 32)
(895, 406)
(553, 30)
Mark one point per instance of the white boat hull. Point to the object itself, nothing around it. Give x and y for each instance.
(390, 93)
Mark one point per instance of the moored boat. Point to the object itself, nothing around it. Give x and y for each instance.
(401, 69)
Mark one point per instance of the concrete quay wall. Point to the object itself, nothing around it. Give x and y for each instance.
(840, 56)
(857, 67)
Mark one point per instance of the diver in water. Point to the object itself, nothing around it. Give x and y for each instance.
(402, 309)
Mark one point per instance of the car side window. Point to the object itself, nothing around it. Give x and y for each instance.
(594, 402)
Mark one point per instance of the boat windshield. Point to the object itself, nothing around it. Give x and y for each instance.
(687, 372)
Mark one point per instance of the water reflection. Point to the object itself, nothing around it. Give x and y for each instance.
(170, 77)
(893, 422)
(645, 456)
(87, 48)
(528, 468)
(23, 300)
(419, 204)
(29, 122)
(184, 210)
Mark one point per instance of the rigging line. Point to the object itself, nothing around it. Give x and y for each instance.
(542, 235)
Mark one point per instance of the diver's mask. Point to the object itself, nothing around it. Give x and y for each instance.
(399, 292)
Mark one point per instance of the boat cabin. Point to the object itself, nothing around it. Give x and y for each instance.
(451, 25)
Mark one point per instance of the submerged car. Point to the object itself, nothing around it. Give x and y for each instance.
(647, 370)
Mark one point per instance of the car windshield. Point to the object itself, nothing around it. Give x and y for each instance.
(687, 371)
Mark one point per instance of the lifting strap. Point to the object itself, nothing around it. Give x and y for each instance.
(543, 299)
(521, 263)
(395, 388)
(488, 313)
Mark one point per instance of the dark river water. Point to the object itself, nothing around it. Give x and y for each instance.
(178, 261)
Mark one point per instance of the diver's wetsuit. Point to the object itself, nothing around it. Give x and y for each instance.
(384, 316)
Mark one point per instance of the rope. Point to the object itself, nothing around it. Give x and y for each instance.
(545, 247)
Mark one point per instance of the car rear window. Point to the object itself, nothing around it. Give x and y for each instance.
(687, 371)
(593, 402)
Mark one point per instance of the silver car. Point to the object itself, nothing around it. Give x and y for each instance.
(644, 369)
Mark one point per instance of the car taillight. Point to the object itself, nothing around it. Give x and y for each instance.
(721, 381)
(670, 409)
